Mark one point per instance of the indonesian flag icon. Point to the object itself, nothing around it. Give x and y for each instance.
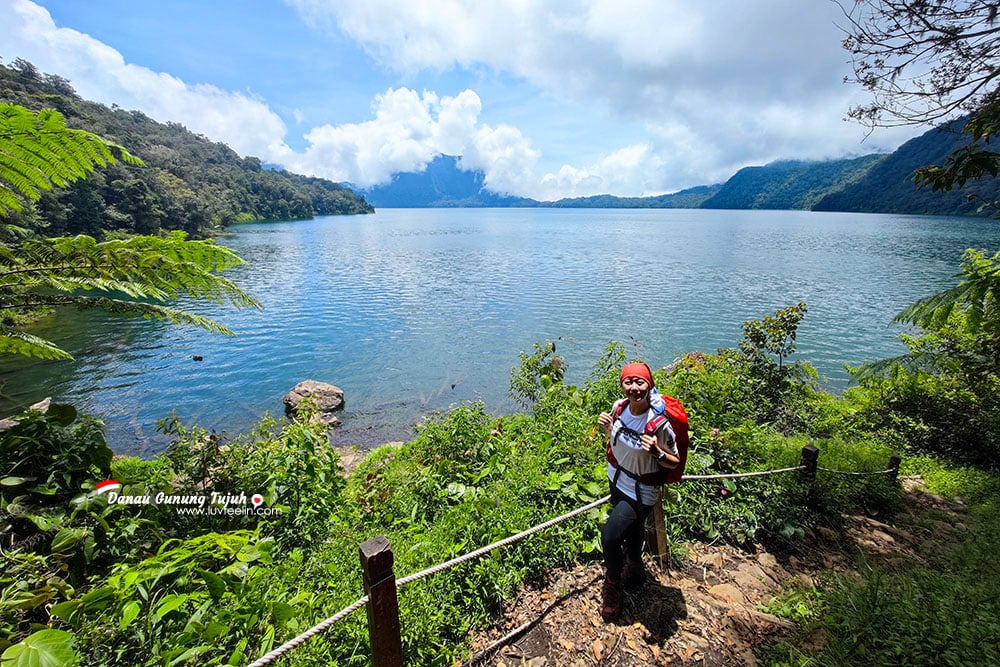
(108, 485)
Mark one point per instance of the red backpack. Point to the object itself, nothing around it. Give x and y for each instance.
(673, 412)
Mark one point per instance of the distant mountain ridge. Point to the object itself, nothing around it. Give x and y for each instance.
(442, 184)
(199, 186)
(888, 186)
(877, 183)
(789, 184)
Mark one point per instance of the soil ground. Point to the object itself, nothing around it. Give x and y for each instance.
(705, 610)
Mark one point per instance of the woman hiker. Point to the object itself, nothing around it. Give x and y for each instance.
(634, 454)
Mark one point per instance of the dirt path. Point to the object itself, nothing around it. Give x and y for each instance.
(704, 612)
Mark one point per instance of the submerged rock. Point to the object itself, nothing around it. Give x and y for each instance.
(325, 399)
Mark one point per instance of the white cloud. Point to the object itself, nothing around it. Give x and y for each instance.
(506, 157)
(100, 73)
(407, 132)
(707, 89)
(741, 83)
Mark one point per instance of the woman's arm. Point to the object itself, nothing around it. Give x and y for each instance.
(666, 448)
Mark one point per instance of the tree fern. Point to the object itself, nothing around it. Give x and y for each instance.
(38, 151)
(138, 276)
(973, 305)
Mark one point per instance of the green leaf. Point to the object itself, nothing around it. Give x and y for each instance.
(213, 630)
(45, 648)
(64, 610)
(671, 494)
(169, 604)
(282, 612)
(216, 584)
(98, 598)
(62, 413)
(129, 613)
(67, 539)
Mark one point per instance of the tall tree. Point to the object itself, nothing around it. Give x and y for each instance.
(136, 276)
(926, 62)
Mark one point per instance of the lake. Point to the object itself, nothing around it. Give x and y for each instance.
(413, 310)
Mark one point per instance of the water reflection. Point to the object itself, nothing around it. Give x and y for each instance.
(410, 311)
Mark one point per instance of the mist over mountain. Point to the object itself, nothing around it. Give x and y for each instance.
(877, 183)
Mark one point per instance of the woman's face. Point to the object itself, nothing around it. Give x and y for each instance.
(635, 388)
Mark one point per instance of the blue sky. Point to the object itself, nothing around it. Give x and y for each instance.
(550, 99)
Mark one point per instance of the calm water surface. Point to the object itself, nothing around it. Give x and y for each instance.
(410, 311)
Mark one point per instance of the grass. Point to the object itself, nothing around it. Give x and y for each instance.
(939, 614)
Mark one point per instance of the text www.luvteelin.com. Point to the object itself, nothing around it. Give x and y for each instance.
(213, 510)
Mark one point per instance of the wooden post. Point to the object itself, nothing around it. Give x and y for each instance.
(383, 605)
(894, 462)
(661, 532)
(810, 457)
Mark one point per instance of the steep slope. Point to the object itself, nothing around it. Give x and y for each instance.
(789, 184)
(889, 188)
(188, 182)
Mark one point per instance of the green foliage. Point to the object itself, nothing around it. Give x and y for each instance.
(48, 452)
(188, 183)
(176, 605)
(45, 648)
(536, 373)
(936, 615)
(943, 396)
(945, 478)
(38, 151)
(799, 605)
(772, 335)
(82, 272)
(29, 584)
(290, 464)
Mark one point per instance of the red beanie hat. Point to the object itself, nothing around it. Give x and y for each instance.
(636, 370)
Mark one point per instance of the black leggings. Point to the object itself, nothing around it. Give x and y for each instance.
(624, 532)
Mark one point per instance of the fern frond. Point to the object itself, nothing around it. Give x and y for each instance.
(13, 341)
(153, 311)
(981, 284)
(38, 151)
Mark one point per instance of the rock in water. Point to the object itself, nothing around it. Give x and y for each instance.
(325, 398)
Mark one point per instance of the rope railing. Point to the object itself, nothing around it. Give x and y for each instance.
(502, 543)
(736, 475)
(271, 656)
(320, 627)
(887, 471)
(808, 466)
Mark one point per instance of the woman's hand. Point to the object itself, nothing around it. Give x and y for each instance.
(648, 443)
(605, 420)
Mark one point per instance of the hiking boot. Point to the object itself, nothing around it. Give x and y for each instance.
(611, 604)
(634, 573)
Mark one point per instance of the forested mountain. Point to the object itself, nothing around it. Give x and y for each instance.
(789, 184)
(689, 198)
(880, 183)
(187, 183)
(888, 186)
(442, 184)
(197, 185)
